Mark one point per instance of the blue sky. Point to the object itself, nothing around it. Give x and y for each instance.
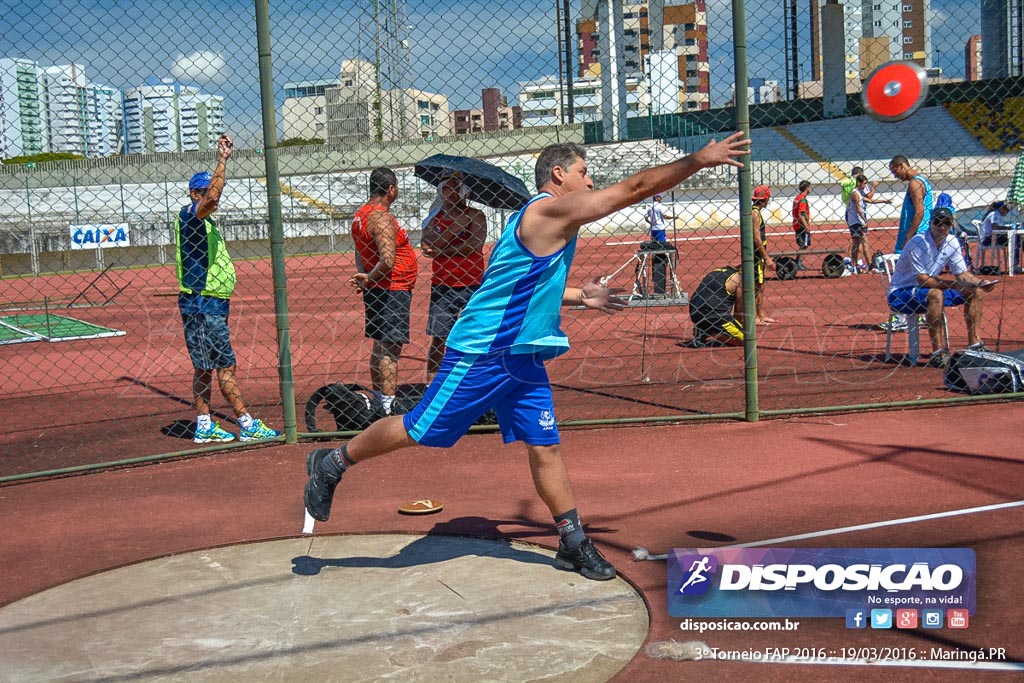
(456, 47)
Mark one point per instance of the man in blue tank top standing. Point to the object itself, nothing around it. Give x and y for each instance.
(916, 214)
(510, 327)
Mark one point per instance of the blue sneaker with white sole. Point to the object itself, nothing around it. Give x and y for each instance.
(257, 431)
(212, 435)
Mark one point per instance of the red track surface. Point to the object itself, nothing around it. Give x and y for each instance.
(85, 401)
(656, 487)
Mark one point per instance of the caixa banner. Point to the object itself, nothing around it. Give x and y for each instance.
(100, 236)
(816, 582)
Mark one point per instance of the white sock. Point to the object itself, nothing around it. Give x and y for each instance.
(386, 401)
(203, 422)
(245, 421)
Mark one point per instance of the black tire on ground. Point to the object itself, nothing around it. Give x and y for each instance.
(785, 268)
(832, 266)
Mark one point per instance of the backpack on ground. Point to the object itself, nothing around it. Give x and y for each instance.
(985, 372)
(353, 406)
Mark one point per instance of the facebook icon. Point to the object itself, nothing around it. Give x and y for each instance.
(856, 618)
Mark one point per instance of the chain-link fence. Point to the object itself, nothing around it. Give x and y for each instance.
(108, 110)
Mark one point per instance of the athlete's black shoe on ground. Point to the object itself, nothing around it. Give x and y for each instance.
(586, 560)
(320, 487)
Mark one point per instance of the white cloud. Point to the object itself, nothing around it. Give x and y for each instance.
(200, 67)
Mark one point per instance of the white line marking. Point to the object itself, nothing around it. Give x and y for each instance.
(647, 555)
(919, 663)
(734, 236)
(877, 525)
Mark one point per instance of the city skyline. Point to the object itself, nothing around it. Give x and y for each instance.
(451, 45)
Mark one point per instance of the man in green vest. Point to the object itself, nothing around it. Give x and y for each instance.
(206, 280)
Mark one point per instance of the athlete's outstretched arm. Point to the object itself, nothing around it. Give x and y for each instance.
(577, 208)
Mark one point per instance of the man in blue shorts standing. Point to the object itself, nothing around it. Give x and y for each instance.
(510, 327)
(206, 281)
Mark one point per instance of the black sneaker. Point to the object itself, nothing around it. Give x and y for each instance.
(320, 488)
(586, 560)
(938, 359)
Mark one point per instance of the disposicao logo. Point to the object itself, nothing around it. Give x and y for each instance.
(697, 579)
(807, 582)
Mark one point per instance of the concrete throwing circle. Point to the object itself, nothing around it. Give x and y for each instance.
(338, 608)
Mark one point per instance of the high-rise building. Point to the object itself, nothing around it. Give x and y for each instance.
(304, 114)
(972, 59)
(875, 32)
(80, 117)
(56, 109)
(1002, 42)
(544, 100)
(166, 116)
(358, 110)
(760, 91)
(493, 116)
(22, 131)
(655, 34)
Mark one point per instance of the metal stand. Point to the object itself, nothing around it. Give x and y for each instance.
(655, 275)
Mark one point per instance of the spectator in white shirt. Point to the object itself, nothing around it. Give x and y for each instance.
(916, 286)
(993, 217)
(656, 216)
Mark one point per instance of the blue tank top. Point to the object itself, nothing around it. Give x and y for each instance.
(907, 214)
(518, 306)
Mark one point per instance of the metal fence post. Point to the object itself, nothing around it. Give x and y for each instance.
(739, 32)
(277, 256)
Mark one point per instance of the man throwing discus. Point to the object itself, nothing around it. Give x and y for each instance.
(509, 329)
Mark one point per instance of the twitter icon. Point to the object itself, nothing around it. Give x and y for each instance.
(881, 618)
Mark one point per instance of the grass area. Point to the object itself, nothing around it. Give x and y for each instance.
(39, 326)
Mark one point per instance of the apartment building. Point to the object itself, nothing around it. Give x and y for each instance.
(1002, 42)
(654, 35)
(21, 116)
(55, 109)
(304, 113)
(80, 117)
(166, 116)
(356, 110)
(544, 101)
(875, 32)
(495, 115)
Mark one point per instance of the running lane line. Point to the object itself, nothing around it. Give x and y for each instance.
(878, 525)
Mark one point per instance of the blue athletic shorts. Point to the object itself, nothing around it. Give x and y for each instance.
(208, 341)
(915, 299)
(468, 385)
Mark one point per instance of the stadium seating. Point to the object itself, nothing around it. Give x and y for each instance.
(999, 128)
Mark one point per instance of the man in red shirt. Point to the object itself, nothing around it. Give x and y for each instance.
(387, 274)
(802, 221)
(454, 237)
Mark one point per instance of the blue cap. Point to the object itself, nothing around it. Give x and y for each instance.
(200, 181)
(944, 201)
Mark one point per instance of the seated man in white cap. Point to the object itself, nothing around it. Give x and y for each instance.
(917, 285)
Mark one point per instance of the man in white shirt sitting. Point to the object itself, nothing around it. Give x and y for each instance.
(916, 286)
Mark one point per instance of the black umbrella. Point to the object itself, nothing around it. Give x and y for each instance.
(487, 184)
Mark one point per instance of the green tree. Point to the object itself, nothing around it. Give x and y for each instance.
(296, 142)
(41, 158)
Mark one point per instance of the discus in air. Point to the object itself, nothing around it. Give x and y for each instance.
(421, 507)
(894, 91)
